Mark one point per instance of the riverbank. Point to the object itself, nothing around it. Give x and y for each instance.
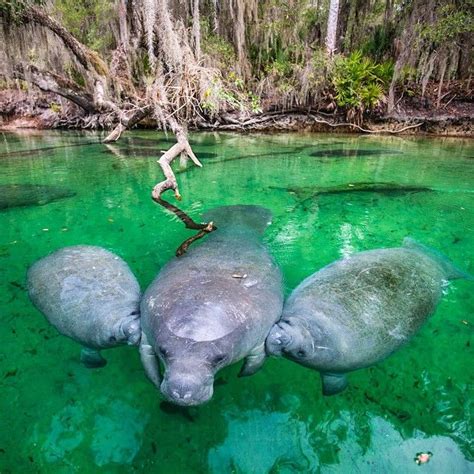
(38, 110)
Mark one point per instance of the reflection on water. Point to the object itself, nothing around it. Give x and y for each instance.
(58, 416)
(259, 441)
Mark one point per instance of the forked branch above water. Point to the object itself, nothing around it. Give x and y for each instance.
(183, 150)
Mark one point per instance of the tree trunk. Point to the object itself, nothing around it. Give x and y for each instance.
(50, 82)
(197, 30)
(332, 27)
(89, 59)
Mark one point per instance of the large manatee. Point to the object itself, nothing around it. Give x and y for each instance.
(358, 310)
(90, 295)
(212, 307)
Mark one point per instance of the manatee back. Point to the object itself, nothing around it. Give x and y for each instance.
(249, 217)
(85, 292)
(226, 291)
(370, 303)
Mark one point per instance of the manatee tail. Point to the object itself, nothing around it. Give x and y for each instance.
(254, 217)
(451, 271)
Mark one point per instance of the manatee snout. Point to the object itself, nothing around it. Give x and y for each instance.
(187, 388)
(289, 338)
(277, 340)
(131, 330)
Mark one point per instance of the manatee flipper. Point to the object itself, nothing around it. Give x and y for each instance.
(91, 358)
(150, 362)
(333, 383)
(254, 361)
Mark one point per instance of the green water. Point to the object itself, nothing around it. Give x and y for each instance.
(58, 417)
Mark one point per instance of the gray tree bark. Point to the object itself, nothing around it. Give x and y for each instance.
(332, 27)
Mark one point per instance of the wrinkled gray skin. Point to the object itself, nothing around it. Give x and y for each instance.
(90, 295)
(212, 307)
(356, 311)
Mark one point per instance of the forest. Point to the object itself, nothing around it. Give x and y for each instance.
(350, 65)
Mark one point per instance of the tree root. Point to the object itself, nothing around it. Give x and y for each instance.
(365, 130)
(228, 122)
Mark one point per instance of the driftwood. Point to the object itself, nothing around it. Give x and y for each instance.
(103, 104)
(183, 150)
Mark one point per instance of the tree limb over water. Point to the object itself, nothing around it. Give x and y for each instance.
(170, 89)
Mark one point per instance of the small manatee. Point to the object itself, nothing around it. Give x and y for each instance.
(356, 311)
(90, 295)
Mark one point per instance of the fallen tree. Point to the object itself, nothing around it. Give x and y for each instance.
(170, 90)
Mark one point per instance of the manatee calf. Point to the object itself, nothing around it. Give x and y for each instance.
(90, 295)
(356, 311)
(212, 307)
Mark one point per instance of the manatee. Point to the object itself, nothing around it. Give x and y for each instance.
(40, 151)
(342, 152)
(212, 307)
(90, 295)
(356, 311)
(388, 189)
(21, 195)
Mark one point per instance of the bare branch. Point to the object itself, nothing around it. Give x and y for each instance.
(88, 58)
(51, 82)
(127, 122)
(183, 150)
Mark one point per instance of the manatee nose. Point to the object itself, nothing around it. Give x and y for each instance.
(277, 340)
(132, 331)
(281, 338)
(181, 394)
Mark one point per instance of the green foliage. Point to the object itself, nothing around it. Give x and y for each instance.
(89, 21)
(281, 67)
(74, 74)
(451, 22)
(231, 94)
(13, 10)
(359, 82)
(55, 107)
(380, 43)
(217, 47)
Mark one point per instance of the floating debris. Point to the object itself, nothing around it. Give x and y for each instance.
(423, 458)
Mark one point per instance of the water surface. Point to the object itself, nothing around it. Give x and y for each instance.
(331, 196)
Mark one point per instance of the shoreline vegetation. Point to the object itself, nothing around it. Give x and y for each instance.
(35, 113)
(364, 66)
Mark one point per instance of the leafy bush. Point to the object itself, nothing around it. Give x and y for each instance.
(360, 83)
(90, 21)
(451, 22)
(13, 9)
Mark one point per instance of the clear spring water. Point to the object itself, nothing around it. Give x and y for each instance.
(58, 417)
